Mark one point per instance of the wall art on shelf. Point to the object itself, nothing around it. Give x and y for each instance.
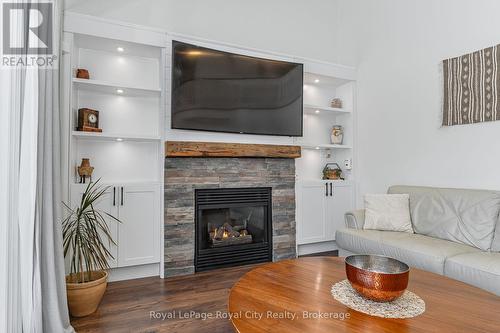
(472, 87)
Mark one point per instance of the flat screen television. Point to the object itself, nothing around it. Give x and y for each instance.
(220, 91)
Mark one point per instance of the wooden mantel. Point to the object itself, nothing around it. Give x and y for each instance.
(218, 149)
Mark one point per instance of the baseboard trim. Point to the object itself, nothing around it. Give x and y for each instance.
(306, 249)
(133, 272)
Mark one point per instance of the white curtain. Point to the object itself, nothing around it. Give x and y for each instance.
(32, 280)
(4, 198)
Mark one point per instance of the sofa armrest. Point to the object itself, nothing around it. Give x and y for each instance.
(355, 219)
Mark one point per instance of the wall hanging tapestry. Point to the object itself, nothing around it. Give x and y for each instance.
(472, 87)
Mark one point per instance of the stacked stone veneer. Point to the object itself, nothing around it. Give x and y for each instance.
(185, 174)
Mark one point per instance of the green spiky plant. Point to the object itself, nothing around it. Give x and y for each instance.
(83, 231)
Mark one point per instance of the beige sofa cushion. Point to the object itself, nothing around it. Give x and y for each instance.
(481, 269)
(390, 212)
(465, 216)
(418, 251)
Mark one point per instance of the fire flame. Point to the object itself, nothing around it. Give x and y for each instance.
(224, 235)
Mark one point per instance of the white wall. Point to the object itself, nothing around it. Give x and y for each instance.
(398, 46)
(296, 27)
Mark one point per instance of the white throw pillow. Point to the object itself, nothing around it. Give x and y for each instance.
(389, 212)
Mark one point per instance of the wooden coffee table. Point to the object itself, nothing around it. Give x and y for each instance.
(294, 296)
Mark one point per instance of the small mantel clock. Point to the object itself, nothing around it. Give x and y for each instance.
(88, 120)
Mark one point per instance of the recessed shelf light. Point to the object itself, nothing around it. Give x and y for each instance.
(316, 81)
(317, 111)
(119, 139)
(317, 148)
(119, 91)
(120, 49)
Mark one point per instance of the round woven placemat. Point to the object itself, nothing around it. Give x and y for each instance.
(408, 305)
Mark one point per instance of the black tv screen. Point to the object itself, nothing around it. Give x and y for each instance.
(225, 92)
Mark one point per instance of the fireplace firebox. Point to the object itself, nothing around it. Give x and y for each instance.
(233, 227)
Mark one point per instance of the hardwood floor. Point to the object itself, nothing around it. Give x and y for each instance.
(127, 305)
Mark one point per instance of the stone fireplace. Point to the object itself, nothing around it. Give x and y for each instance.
(226, 211)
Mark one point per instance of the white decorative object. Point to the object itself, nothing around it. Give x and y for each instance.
(389, 212)
(336, 103)
(337, 135)
(409, 305)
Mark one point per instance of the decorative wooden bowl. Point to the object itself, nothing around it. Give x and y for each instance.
(378, 278)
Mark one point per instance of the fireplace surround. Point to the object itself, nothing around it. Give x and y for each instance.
(185, 177)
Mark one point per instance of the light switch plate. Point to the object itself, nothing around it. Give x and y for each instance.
(348, 164)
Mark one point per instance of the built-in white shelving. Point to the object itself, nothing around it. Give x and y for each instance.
(115, 88)
(114, 136)
(316, 109)
(324, 146)
(322, 203)
(321, 86)
(127, 87)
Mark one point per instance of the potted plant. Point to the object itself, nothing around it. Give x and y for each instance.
(85, 232)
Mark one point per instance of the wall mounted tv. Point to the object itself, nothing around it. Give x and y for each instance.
(225, 92)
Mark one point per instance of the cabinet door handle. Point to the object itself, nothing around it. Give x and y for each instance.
(326, 189)
(114, 196)
(121, 196)
(331, 190)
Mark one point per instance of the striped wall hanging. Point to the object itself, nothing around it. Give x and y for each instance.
(472, 87)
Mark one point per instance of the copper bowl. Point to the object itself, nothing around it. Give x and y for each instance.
(379, 278)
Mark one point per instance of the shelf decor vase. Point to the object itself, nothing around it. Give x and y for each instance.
(85, 170)
(337, 135)
(82, 73)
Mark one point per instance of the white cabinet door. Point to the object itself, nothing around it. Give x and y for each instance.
(139, 212)
(311, 226)
(108, 203)
(320, 210)
(341, 201)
